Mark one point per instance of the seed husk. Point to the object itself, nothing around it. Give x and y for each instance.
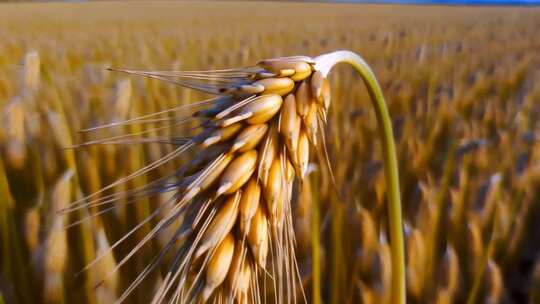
(234, 119)
(300, 69)
(273, 187)
(257, 111)
(249, 138)
(303, 98)
(244, 90)
(249, 204)
(317, 80)
(258, 237)
(263, 75)
(239, 272)
(326, 96)
(208, 175)
(268, 153)
(311, 122)
(221, 224)
(250, 89)
(290, 126)
(234, 107)
(289, 170)
(288, 115)
(238, 172)
(222, 134)
(280, 86)
(303, 153)
(218, 266)
(286, 72)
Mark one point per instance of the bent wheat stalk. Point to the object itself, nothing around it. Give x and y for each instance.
(325, 64)
(235, 241)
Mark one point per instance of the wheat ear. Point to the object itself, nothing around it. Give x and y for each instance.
(233, 199)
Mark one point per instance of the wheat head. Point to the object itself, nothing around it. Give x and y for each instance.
(236, 240)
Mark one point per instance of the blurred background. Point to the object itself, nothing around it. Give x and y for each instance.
(463, 87)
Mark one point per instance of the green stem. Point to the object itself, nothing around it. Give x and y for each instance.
(315, 255)
(324, 63)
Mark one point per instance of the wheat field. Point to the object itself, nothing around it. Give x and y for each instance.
(463, 87)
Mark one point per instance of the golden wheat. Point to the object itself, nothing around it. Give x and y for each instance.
(463, 79)
(253, 140)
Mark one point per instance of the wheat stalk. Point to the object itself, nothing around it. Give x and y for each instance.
(236, 240)
(324, 64)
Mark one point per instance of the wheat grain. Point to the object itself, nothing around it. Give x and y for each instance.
(219, 265)
(303, 154)
(279, 86)
(249, 138)
(239, 275)
(237, 173)
(249, 204)
(221, 224)
(258, 237)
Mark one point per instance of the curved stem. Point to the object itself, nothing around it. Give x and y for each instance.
(324, 63)
(316, 254)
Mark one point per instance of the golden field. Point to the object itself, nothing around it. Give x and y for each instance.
(463, 87)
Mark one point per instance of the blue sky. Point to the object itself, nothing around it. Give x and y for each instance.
(461, 2)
